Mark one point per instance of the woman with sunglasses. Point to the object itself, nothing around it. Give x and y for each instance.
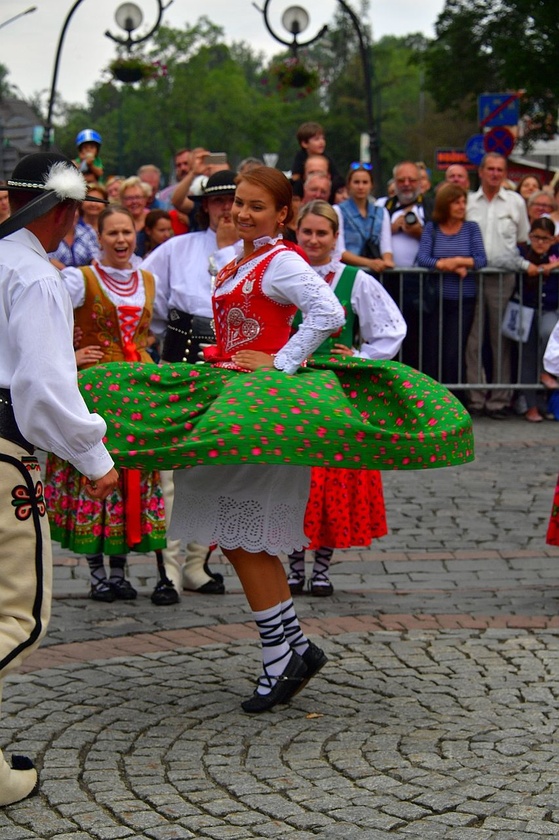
(539, 204)
(134, 196)
(366, 227)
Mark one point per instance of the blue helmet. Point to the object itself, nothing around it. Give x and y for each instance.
(88, 135)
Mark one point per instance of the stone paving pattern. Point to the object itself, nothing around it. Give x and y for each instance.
(436, 717)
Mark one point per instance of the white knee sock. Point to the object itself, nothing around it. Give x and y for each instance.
(322, 558)
(295, 637)
(275, 649)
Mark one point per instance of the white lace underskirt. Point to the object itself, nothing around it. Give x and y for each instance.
(251, 506)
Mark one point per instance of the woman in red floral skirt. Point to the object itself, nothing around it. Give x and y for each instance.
(346, 507)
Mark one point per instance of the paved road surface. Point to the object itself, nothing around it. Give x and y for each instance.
(436, 717)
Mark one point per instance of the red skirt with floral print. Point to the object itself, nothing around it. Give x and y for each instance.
(345, 508)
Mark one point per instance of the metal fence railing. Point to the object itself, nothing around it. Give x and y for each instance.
(460, 342)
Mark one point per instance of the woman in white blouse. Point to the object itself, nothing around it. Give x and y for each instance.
(346, 507)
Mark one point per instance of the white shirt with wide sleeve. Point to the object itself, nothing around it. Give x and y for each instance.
(551, 355)
(382, 327)
(37, 361)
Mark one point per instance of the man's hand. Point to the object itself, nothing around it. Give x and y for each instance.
(414, 230)
(399, 225)
(102, 487)
(199, 165)
(226, 232)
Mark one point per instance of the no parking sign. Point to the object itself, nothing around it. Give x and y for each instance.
(499, 140)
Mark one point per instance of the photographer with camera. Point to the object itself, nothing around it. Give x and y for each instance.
(415, 294)
(408, 211)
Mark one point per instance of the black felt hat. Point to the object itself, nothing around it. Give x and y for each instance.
(220, 183)
(50, 178)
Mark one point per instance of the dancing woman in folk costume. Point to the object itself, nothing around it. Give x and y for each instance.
(346, 507)
(252, 423)
(255, 511)
(113, 303)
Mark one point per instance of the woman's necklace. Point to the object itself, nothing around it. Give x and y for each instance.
(231, 268)
(123, 288)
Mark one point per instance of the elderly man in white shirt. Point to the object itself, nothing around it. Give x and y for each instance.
(40, 405)
(502, 217)
(409, 211)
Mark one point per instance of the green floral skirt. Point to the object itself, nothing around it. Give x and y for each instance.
(352, 414)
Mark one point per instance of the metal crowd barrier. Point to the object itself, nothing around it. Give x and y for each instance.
(419, 294)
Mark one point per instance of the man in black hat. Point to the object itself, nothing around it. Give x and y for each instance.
(185, 267)
(40, 405)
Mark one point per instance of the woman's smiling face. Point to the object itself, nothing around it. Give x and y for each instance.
(316, 237)
(254, 212)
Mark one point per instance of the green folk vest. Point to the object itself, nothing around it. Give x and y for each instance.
(346, 334)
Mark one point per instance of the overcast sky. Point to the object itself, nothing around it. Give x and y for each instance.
(28, 45)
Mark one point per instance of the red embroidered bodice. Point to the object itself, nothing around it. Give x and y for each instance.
(247, 319)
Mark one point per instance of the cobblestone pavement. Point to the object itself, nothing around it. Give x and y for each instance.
(436, 717)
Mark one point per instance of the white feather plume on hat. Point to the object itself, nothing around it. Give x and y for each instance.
(66, 182)
(61, 182)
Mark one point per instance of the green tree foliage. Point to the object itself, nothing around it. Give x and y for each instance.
(492, 45)
(6, 88)
(204, 93)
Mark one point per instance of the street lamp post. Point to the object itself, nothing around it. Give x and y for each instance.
(129, 17)
(295, 20)
(20, 14)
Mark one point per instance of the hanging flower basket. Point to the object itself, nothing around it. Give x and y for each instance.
(292, 74)
(131, 70)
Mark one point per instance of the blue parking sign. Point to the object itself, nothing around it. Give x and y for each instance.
(497, 109)
(475, 149)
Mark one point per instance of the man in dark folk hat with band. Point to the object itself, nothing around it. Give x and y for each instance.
(185, 267)
(40, 405)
